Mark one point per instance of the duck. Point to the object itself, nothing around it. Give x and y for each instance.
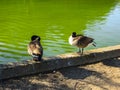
(35, 48)
(80, 41)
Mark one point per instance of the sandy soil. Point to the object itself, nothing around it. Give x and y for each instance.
(103, 75)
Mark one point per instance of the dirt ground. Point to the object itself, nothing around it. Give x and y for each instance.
(103, 75)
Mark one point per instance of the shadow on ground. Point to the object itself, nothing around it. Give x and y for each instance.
(81, 77)
(51, 81)
(77, 73)
(112, 62)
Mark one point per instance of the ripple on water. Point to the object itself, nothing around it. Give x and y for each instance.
(12, 51)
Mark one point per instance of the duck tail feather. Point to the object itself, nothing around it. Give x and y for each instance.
(94, 44)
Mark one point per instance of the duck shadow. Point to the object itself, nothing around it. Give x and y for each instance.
(82, 74)
(114, 62)
(78, 73)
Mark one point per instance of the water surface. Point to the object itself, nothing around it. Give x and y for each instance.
(54, 21)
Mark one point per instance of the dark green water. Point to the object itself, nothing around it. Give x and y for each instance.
(54, 21)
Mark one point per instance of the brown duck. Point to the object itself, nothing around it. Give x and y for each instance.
(35, 48)
(80, 41)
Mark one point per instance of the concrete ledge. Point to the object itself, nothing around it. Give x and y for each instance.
(56, 62)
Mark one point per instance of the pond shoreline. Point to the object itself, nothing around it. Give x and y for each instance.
(103, 75)
(57, 62)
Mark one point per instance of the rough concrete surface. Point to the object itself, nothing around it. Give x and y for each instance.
(28, 67)
(104, 75)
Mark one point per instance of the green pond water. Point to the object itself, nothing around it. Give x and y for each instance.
(54, 21)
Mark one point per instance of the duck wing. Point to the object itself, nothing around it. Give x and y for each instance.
(35, 48)
(84, 40)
